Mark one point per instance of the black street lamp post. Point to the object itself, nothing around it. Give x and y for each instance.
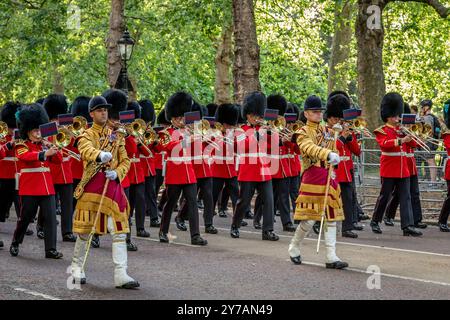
(125, 45)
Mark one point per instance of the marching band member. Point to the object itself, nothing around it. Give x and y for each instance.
(118, 101)
(346, 145)
(54, 105)
(160, 162)
(316, 146)
(254, 167)
(394, 170)
(179, 175)
(8, 165)
(392, 206)
(101, 198)
(136, 175)
(294, 162)
(445, 211)
(224, 166)
(35, 183)
(149, 165)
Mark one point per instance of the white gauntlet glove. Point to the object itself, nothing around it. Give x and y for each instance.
(111, 174)
(105, 157)
(334, 159)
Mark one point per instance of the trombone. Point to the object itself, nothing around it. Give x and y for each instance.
(414, 132)
(360, 125)
(138, 129)
(62, 140)
(3, 131)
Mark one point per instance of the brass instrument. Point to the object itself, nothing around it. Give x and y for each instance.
(79, 126)
(279, 125)
(62, 140)
(3, 130)
(360, 124)
(413, 131)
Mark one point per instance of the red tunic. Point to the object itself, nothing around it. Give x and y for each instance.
(393, 160)
(446, 137)
(224, 160)
(8, 162)
(136, 172)
(179, 168)
(346, 148)
(35, 177)
(62, 172)
(254, 164)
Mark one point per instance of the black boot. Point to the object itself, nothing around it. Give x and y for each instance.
(198, 241)
(14, 249)
(289, 227)
(234, 232)
(142, 233)
(211, 229)
(53, 254)
(180, 224)
(69, 237)
(163, 237)
(421, 225)
(270, 235)
(375, 227)
(222, 214)
(95, 243)
(131, 246)
(337, 265)
(410, 231)
(155, 223)
(349, 234)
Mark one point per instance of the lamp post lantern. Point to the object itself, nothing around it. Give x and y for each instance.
(125, 46)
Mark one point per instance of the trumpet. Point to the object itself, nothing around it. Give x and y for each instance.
(79, 126)
(138, 129)
(279, 125)
(202, 128)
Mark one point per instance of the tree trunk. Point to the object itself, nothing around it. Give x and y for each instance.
(223, 63)
(116, 28)
(246, 50)
(369, 36)
(338, 75)
(58, 81)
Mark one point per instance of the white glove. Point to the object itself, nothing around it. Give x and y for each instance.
(105, 156)
(111, 174)
(334, 159)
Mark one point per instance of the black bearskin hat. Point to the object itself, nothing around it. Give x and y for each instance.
(391, 105)
(118, 100)
(40, 101)
(406, 108)
(80, 107)
(198, 107)
(335, 92)
(228, 113)
(278, 102)
(147, 111)
(212, 108)
(336, 105)
(30, 117)
(8, 114)
(161, 119)
(178, 104)
(133, 105)
(55, 104)
(254, 103)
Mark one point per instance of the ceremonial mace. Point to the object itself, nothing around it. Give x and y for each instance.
(337, 128)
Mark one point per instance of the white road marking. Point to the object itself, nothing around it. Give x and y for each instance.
(37, 294)
(381, 274)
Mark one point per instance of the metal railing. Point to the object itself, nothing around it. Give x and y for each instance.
(367, 178)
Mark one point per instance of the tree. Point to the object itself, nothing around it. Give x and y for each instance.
(338, 75)
(246, 50)
(116, 29)
(370, 36)
(223, 63)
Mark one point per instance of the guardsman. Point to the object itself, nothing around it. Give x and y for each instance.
(8, 164)
(317, 148)
(160, 162)
(35, 182)
(254, 167)
(180, 174)
(445, 211)
(54, 105)
(136, 175)
(394, 169)
(149, 165)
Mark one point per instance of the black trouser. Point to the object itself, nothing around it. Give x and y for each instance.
(294, 186)
(8, 196)
(229, 187)
(445, 211)
(65, 194)
(127, 194)
(281, 201)
(348, 203)
(205, 187)
(137, 201)
(359, 210)
(224, 197)
(387, 186)
(150, 198)
(29, 206)
(173, 193)
(265, 190)
(391, 208)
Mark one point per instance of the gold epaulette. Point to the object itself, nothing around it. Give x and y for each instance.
(20, 142)
(380, 130)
